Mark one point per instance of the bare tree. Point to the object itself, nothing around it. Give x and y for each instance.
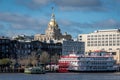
(44, 57)
(33, 58)
(55, 58)
(30, 59)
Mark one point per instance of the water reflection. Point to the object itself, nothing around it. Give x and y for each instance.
(60, 76)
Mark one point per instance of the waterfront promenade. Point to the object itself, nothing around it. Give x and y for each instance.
(61, 76)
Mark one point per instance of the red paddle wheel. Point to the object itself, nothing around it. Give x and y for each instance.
(63, 66)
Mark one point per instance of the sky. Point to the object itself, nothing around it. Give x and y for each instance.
(75, 17)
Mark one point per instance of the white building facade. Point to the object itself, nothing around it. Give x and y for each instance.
(107, 40)
(73, 46)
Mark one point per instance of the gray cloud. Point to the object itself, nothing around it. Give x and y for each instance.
(22, 23)
(85, 5)
(110, 23)
(74, 24)
(80, 3)
(68, 5)
(33, 4)
(1, 26)
(76, 28)
(27, 24)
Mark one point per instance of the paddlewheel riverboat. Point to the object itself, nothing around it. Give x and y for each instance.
(66, 61)
(94, 62)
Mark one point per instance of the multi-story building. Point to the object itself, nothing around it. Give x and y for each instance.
(4, 48)
(23, 49)
(23, 38)
(14, 48)
(73, 47)
(107, 40)
(52, 33)
(20, 49)
(52, 48)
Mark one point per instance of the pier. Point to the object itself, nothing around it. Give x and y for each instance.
(18, 70)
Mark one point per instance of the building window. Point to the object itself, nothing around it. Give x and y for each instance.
(106, 35)
(88, 44)
(95, 35)
(106, 44)
(88, 36)
(99, 35)
(118, 44)
(113, 44)
(88, 39)
(91, 44)
(110, 44)
(95, 44)
(110, 35)
(99, 44)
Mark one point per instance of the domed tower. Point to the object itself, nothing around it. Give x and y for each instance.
(53, 30)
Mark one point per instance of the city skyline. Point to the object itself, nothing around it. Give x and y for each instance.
(30, 17)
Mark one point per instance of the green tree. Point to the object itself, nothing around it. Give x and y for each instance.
(5, 61)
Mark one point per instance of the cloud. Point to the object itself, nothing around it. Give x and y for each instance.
(72, 27)
(23, 23)
(74, 24)
(76, 28)
(70, 5)
(33, 4)
(17, 23)
(110, 23)
(79, 4)
(1, 26)
(85, 5)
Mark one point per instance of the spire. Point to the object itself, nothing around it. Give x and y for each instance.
(53, 21)
(53, 15)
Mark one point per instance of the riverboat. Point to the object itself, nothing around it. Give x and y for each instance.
(94, 62)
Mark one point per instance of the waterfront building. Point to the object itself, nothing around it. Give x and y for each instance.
(107, 40)
(52, 32)
(4, 48)
(20, 49)
(52, 48)
(14, 48)
(70, 46)
(23, 49)
(23, 38)
(26, 48)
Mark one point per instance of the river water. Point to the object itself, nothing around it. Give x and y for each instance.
(60, 76)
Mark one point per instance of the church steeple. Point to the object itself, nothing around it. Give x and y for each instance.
(53, 22)
(53, 15)
(53, 28)
(52, 32)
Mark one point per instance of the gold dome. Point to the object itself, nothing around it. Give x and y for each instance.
(52, 22)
